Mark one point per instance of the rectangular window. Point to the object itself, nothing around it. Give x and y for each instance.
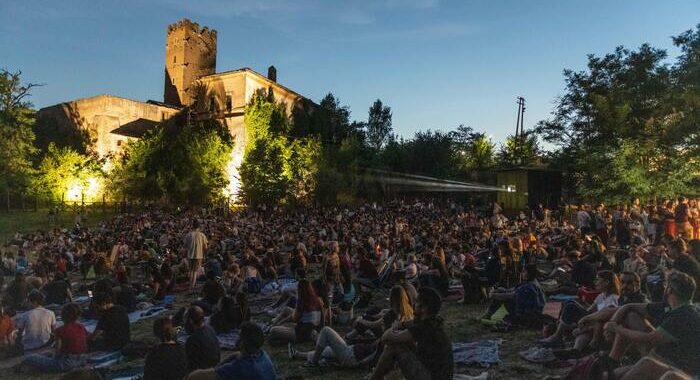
(212, 104)
(229, 102)
(174, 59)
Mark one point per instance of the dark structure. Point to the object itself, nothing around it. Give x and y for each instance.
(529, 186)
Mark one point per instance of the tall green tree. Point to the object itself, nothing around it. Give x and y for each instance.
(67, 175)
(521, 150)
(178, 162)
(16, 136)
(379, 131)
(627, 126)
(277, 166)
(480, 152)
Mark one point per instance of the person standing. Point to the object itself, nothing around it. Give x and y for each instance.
(682, 219)
(196, 244)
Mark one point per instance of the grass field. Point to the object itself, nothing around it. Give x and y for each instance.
(26, 221)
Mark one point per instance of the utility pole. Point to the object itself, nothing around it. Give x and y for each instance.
(519, 124)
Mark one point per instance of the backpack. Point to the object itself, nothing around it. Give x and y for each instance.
(590, 367)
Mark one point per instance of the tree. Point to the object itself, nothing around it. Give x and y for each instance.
(627, 126)
(66, 175)
(177, 162)
(276, 167)
(521, 150)
(16, 135)
(379, 125)
(480, 152)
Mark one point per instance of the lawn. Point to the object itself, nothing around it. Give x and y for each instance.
(27, 221)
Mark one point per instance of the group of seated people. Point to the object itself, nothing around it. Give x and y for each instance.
(342, 263)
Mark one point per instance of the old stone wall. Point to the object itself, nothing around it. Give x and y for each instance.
(190, 53)
(87, 124)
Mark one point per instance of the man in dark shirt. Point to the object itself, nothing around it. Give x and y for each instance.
(113, 331)
(127, 295)
(57, 291)
(202, 346)
(167, 360)
(432, 358)
(683, 262)
(676, 339)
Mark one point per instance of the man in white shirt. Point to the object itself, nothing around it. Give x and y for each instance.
(37, 324)
(196, 244)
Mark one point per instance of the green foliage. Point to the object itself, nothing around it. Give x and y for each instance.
(175, 162)
(627, 126)
(379, 125)
(276, 167)
(16, 135)
(66, 175)
(521, 150)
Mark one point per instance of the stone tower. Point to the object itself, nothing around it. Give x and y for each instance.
(190, 53)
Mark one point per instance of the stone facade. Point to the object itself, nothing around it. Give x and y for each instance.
(103, 123)
(94, 123)
(190, 53)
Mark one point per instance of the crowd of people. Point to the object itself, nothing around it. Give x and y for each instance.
(363, 285)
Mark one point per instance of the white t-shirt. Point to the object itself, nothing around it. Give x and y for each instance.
(37, 324)
(603, 302)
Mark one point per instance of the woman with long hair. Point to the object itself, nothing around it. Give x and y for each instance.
(400, 310)
(307, 317)
(608, 284)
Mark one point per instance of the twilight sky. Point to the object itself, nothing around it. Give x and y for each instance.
(437, 63)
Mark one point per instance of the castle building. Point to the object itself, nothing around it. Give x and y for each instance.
(103, 123)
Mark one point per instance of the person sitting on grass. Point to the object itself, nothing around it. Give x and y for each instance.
(307, 316)
(588, 333)
(112, 331)
(71, 345)
(330, 345)
(674, 340)
(250, 362)
(524, 303)
(431, 359)
(7, 342)
(202, 346)
(58, 290)
(167, 360)
(231, 312)
(36, 325)
(608, 284)
(400, 310)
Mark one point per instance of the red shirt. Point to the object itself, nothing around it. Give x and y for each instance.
(61, 265)
(5, 326)
(73, 338)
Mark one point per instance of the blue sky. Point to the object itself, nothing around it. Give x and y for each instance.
(437, 63)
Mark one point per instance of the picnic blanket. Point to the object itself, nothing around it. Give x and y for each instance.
(227, 341)
(279, 285)
(261, 305)
(133, 373)
(563, 297)
(552, 309)
(102, 359)
(483, 352)
(91, 324)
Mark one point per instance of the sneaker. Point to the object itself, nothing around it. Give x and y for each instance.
(291, 351)
(309, 364)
